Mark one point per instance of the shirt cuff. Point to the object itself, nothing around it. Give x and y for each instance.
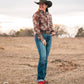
(40, 37)
(52, 31)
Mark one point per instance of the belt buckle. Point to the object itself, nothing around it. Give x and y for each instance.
(47, 32)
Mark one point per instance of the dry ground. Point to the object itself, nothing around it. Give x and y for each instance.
(19, 59)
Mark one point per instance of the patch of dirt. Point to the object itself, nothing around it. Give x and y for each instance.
(19, 59)
(64, 65)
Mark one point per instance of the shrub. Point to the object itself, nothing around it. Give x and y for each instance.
(80, 33)
(59, 29)
(25, 32)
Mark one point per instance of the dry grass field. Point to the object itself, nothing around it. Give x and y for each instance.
(19, 59)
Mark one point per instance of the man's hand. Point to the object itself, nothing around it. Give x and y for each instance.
(44, 42)
(53, 33)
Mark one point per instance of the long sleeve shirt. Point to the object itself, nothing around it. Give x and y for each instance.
(42, 21)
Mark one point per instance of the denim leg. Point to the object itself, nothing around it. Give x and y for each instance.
(48, 47)
(42, 59)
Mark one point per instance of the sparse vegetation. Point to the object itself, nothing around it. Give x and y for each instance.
(59, 29)
(19, 59)
(80, 32)
(25, 32)
(20, 33)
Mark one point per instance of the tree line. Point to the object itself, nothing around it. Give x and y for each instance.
(60, 30)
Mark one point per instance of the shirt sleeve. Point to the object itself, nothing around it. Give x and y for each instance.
(51, 24)
(36, 27)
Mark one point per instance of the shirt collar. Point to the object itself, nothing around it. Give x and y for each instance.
(46, 13)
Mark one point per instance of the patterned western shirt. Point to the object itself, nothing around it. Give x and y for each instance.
(42, 22)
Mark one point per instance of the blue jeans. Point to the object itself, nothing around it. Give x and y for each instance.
(43, 55)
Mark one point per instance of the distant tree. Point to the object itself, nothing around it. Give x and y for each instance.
(80, 33)
(56, 28)
(59, 29)
(4, 35)
(17, 33)
(12, 33)
(25, 32)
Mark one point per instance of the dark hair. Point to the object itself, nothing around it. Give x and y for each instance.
(47, 10)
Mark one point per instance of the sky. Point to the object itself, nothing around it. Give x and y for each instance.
(18, 13)
(26, 8)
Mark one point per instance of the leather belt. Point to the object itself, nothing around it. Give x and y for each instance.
(46, 32)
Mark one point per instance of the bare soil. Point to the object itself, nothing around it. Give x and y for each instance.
(19, 60)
